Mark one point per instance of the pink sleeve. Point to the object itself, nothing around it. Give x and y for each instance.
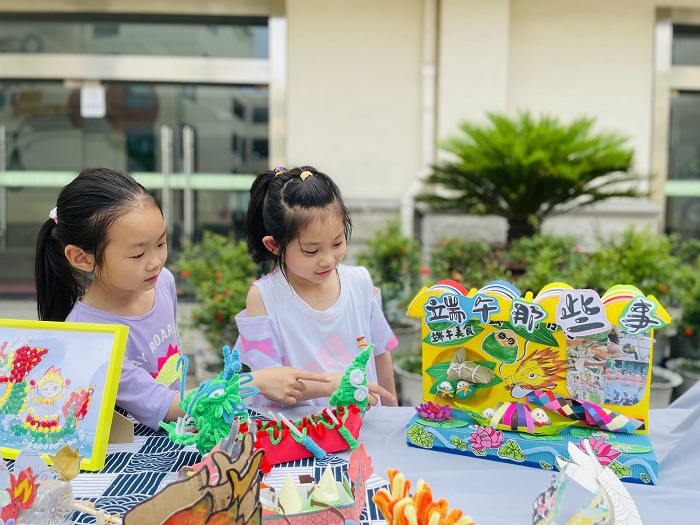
(258, 342)
(382, 335)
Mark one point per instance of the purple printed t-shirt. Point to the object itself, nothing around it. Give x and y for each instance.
(146, 386)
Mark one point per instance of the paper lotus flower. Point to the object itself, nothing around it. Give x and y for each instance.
(434, 411)
(486, 437)
(66, 462)
(604, 452)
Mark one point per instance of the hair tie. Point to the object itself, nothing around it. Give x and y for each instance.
(279, 170)
(305, 175)
(53, 214)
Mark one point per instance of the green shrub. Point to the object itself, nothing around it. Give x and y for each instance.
(220, 271)
(546, 259)
(644, 259)
(393, 260)
(471, 263)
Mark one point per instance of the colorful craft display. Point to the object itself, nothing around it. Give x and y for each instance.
(590, 413)
(331, 430)
(528, 374)
(400, 508)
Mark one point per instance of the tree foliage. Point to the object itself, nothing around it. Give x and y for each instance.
(526, 169)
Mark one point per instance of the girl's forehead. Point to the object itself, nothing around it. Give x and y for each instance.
(322, 225)
(142, 220)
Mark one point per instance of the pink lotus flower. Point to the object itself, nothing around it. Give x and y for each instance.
(604, 452)
(434, 411)
(486, 437)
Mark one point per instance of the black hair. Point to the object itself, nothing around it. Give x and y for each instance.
(282, 205)
(86, 209)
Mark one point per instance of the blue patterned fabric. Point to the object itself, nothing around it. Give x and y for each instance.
(136, 471)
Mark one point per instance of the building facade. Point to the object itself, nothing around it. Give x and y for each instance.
(195, 98)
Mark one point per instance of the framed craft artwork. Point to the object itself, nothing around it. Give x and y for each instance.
(58, 386)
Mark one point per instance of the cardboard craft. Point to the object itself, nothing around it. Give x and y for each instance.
(237, 492)
(536, 372)
(58, 385)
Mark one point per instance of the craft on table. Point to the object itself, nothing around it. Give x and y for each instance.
(516, 378)
(58, 385)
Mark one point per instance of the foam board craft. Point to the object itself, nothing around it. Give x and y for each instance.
(58, 385)
(517, 378)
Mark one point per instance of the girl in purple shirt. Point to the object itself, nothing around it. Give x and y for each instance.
(106, 228)
(99, 259)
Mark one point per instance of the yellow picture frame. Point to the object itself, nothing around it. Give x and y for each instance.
(58, 386)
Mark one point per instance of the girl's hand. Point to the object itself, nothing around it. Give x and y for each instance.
(284, 383)
(388, 399)
(375, 391)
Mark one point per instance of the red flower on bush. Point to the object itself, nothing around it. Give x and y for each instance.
(687, 331)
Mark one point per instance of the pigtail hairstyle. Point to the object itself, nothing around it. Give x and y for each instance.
(283, 203)
(85, 211)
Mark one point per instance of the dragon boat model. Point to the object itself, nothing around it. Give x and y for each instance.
(217, 403)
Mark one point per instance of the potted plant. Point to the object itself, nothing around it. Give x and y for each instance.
(526, 169)
(685, 346)
(408, 370)
(218, 272)
(648, 261)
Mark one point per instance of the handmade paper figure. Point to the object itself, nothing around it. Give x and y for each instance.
(400, 508)
(235, 498)
(328, 501)
(611, 504)
(217, 404)
(535, 373)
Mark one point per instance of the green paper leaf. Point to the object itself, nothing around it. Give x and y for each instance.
(504, 354)
(418, 436)
(630, 449)
(538, 437)
(581, 433)
(476, 328)
(511, 450)
(436, 327)
(545, 465)
(437, 382)
(481, 452)
(620, 470)
(646, 479)
(540, 335)
(438, 370)
(458, 442)
(448, 423)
